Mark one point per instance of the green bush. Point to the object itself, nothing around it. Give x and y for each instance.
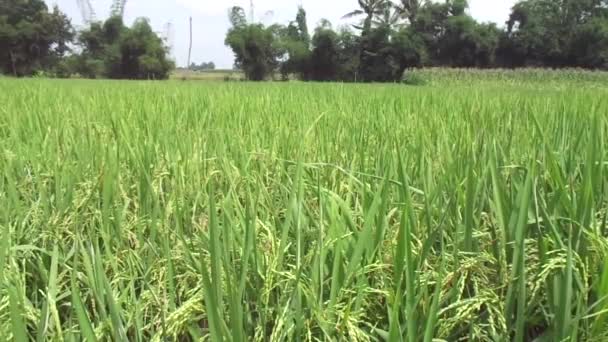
(113, 50)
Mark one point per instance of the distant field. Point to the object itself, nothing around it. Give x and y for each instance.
(471, 208)
(441, 76)
(511, 77)
(208, 75)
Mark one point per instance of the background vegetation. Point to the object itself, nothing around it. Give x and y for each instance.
(203, 66)
(391, 36)
(395, 35)
(31, 37)
(112, 50)
(34, 41)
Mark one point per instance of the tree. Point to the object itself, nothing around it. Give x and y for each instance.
(371, 9)
(409, 48)
(256, 48)
(384, 53)
(302, 25)
(295, 40)
(457, 7)
(237, 17)
(371, 40)
(430, 25)
(143, 55)
(554, 34)
(324, 61)
(92, 61)
(466, 43)
(380, 60)
(112, 50)
(397, 35)
(348, 55)
(32, 39)
(408, 9)
(589, 48)
(202, 66)
(533, 35)
(453, 38)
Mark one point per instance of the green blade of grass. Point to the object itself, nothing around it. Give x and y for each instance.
(84, 323)
(16, 308)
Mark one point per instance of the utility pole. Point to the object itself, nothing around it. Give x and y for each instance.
(190, 47)
(251, 12)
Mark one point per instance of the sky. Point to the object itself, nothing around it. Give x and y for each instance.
(210, 20)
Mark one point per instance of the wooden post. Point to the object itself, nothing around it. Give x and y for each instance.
(10, 52)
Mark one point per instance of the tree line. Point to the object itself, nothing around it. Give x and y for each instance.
(390, 37)
(395, 35)
(204, 66)
(34, 40)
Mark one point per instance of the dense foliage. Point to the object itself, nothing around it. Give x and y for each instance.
(256, 48)
(557, 34)
(32, 39)
(202, 67)
(391, 37)
(470, 209)
(112, 50)
(394, 36)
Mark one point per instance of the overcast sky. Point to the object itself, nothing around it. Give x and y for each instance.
(210, 21)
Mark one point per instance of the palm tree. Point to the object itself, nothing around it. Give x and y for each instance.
(371, 9)
(390, 18)
(408, 9)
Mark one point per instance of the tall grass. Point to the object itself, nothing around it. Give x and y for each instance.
(181, 211)
(527, 77)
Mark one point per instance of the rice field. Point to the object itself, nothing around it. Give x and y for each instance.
(182, 211)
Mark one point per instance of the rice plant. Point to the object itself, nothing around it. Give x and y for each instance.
(213, 211)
